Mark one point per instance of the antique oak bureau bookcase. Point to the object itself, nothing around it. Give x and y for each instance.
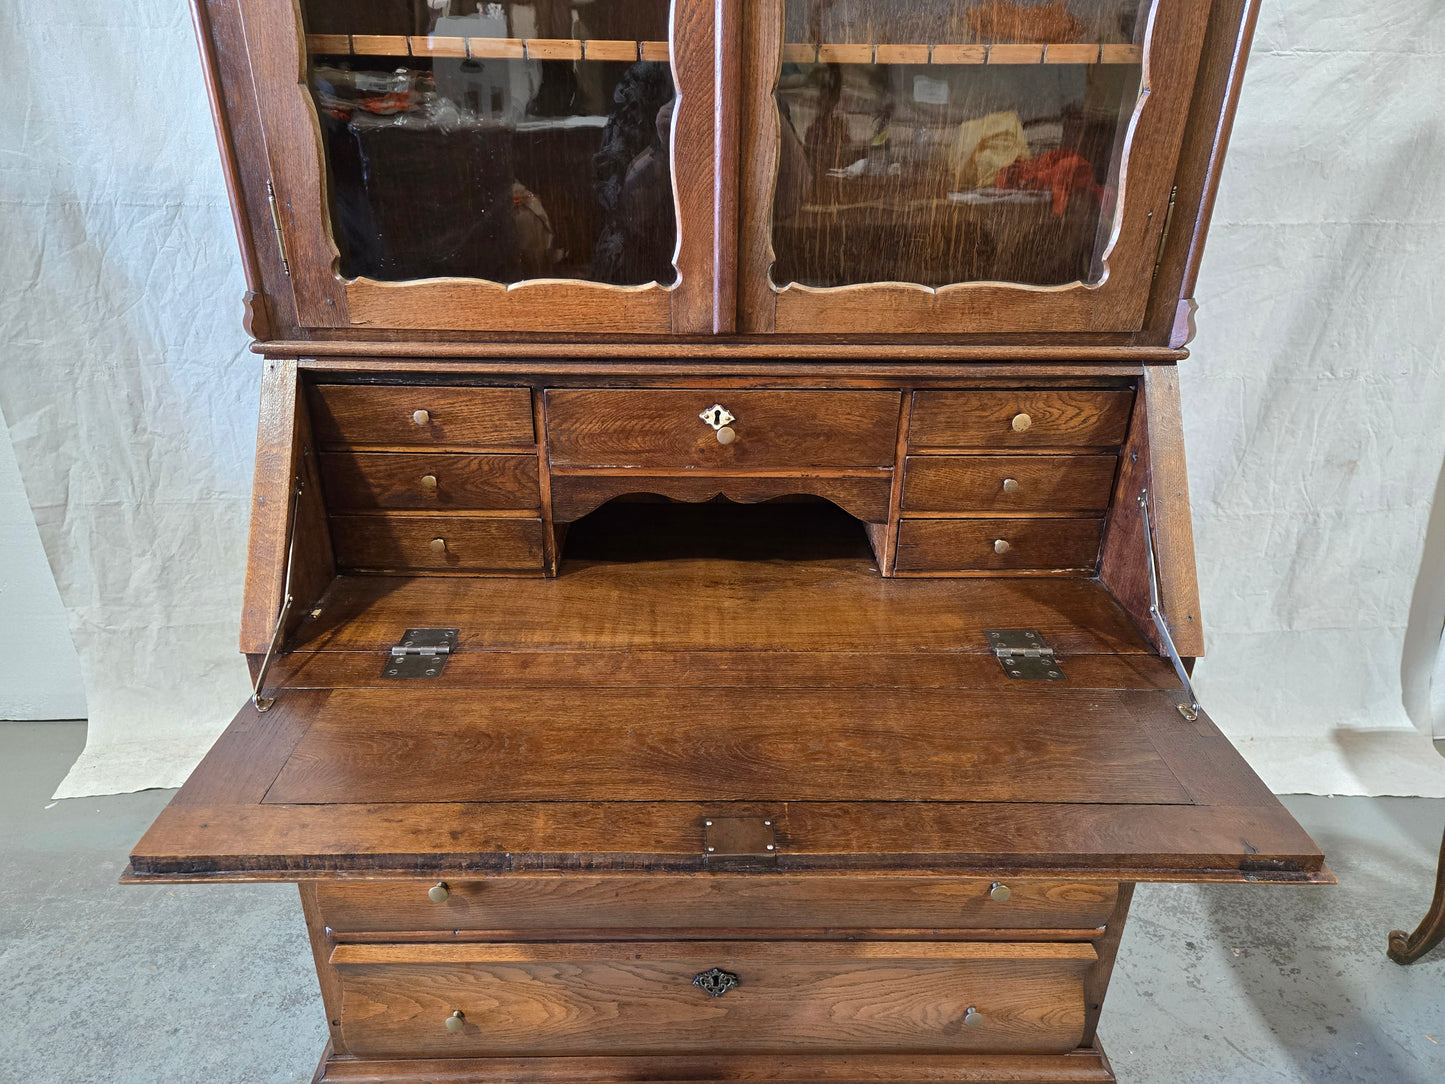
(721, 585)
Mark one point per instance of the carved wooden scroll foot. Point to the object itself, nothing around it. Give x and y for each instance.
(1431, 931)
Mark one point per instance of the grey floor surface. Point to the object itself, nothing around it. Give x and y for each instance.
(211, 984)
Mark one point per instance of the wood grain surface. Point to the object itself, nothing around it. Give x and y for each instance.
(661, 428)
(726, 900)
(364, 481)
(1054, 544)
(985, 419)
(862, 496)
(976, 483)
(639, 998)
(370, 415)
(393, 541)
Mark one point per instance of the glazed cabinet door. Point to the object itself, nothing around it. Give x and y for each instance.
(959, 166)
(460, 165)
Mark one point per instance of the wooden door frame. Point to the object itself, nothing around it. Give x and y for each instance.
(1174, 37)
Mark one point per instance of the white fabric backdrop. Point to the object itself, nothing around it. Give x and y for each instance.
(1314, 400)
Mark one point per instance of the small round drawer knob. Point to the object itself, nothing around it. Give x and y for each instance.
(726, 435)
(999, 892)
(439, 892)
(1021, 422)
(971, 1018)
(428, 482)
(1000, 545)
(421, 417)
(1010, 485)
(457, 1020)
(439, 545)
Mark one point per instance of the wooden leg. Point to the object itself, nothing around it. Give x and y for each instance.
(1431, 931)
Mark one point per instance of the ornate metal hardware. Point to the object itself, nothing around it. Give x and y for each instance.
(717, 416)
(1189, 707)
(715, 981)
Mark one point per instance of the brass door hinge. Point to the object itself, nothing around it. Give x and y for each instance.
(421, 653)
(1164, 233)
(276, 224)
(1024, 656)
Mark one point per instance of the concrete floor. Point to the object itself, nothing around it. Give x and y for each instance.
(111, 985)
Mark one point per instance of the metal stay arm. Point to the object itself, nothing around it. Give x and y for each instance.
(1190, 708)
(263, 703)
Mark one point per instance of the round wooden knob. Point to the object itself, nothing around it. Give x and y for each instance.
(457, 1020)
(1000, 545)
(999, 892)
(1021, 422)
(428, 482)
(971, 1017)
(439, 545)
(421, 417)
(1010, 485)
(726, 435)
(439, 892)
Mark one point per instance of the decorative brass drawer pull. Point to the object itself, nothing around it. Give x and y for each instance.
(429, 482)
(439, 546)
(999, 892)
(972, 1018)
(721, 420)
(1001, 545)
(439, 892)
(715, 981)
(1021, 422)
(421, 417)
(458, 1020)
(1010, 485)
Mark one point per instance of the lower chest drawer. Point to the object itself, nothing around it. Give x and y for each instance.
(716, 901)
(428, 1000)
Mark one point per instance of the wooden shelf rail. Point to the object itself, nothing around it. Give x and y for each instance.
(483, 48)
(793, 53)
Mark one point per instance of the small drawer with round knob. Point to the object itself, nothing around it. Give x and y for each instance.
(439, 481)
(402, 541)
(1008, 483)
(379, 415)
(1055, 544)
(996, 420)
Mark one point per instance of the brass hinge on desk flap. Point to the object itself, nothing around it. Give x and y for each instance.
(737, 842)
(1024, 656)
(1164, 233)
(1189, 705)
(276, 224)
(263, 703)
(421, 653)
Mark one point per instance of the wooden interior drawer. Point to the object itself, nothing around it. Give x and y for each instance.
(1008, 483)
(401, 541)
(958, 545)
(417, 481)
(640, 997)
(730, 901)
(371, 415)
(1028, 418)
(780, 430)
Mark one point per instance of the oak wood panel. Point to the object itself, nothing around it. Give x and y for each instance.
(250, 752)
(542, 305)
(574, 495)
(321, 947)
(368, 414)
(1096, 983)
(688, 605)
(283, 456)
(639, 998)
(400, 540)
(942, 545)
(475, 669)
(975, 483)
(419, 744)
(693, 149)
(360, 481)
(660, 427)
(985, 419)
(736, 900)
(1076, 1067)
(1050, 356)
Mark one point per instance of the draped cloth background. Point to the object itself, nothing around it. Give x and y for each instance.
(1314, 400)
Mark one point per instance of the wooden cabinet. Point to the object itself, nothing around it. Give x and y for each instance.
(721, 565)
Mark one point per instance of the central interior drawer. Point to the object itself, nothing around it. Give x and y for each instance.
(777, 901)
(778, 430)
(646, 998)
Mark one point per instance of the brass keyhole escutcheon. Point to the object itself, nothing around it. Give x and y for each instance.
(421, 417)
(721, 419)
(715, 981)
(1021, 422)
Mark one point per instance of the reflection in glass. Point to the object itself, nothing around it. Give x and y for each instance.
(498, 141)
(942, 141)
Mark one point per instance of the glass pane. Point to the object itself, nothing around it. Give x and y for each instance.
(941, 141)
(499, 141)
